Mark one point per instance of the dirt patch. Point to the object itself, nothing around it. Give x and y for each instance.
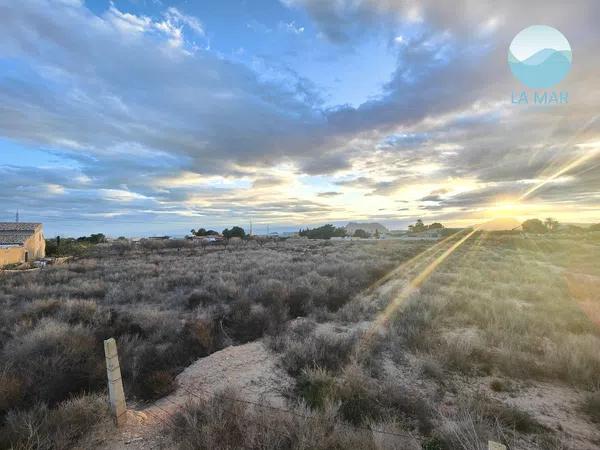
(250, 369)
(556, 407)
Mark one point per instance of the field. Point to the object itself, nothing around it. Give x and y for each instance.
(379, 344)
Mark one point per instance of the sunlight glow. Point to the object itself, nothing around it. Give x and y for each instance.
(383, 318)
(594, 150)
(505, 208)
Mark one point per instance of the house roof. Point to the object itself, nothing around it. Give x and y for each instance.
(19, 227)
(16, 233)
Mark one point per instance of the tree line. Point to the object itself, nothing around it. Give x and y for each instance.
(550, 225)
(226, 233)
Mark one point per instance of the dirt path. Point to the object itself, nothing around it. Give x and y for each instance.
(250, 369)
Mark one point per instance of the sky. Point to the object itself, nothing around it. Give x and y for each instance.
(142, 117)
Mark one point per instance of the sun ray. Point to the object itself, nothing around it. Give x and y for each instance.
(571, 165)
(414, 261)
(383, 318)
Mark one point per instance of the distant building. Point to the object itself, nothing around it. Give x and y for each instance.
(21, 242)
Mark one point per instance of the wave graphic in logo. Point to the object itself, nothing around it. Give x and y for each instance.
(540, 56)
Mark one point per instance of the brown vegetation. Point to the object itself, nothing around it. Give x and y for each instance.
(499, 316)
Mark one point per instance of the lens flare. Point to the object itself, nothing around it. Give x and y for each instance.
(384, 317)
(571, 165)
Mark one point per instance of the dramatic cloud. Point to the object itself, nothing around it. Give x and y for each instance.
(153, 118)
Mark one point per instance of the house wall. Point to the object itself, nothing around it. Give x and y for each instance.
(36, 245)
(11, 255)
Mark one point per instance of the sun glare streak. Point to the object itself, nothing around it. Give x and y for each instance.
(412, 261)
(383, 318)
(560, 172)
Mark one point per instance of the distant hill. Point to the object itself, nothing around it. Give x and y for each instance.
(368, 227)
(500, 224)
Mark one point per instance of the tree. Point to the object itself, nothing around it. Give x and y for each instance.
(376, 233)
(435, 226)
(234, 232)
(204, 232)
(362, 234)
(551, 224)
(534, 226)
(97, 238)
(417, 227)
(325, 232)
(595, 227)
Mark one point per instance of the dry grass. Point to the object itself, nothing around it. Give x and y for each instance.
(502, 305)
(222, 423)
(167, 304)
(41, 428)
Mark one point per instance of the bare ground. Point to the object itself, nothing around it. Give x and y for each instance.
(250, 368)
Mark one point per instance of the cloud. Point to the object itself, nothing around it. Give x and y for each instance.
(291, 27)
(329, 194)
(144, 91)
(268, 182)
(175, 16)
(153, 123)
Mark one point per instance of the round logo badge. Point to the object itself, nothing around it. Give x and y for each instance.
(540, 56)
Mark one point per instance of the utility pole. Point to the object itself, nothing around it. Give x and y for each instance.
(17, 216)
(250, 226)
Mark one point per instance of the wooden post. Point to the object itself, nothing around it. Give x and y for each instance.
(496, 446)
(115, 383)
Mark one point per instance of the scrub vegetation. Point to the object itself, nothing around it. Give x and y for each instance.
(167, 303)
(505, 329)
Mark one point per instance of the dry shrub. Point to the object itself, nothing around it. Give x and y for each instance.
(326, 350)
(362, 399)
(54, 360)
(149, 295)
(156, 385)
(591, 406)
(11, 390)
(41, 428)
(223, 423)
(316, 387)
(479, 419)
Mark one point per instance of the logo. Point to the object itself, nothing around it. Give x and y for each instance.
(540, 56)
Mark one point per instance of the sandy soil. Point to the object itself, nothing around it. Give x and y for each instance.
(250, 368)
